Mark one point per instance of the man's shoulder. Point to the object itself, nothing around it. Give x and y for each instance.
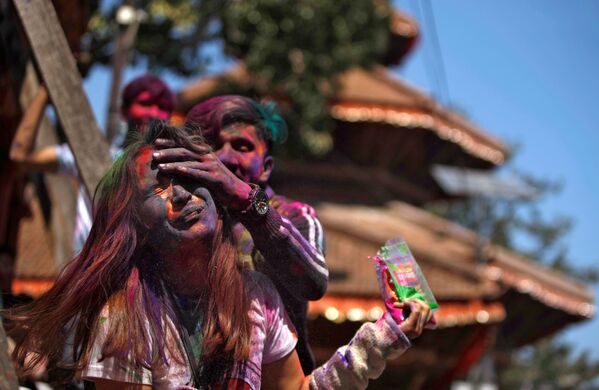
(290, 208)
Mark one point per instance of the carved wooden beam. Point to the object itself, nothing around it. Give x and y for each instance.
(59, 71)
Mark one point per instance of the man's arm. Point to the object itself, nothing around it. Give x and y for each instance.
(21, 149)
(290, 238)
(293, 253)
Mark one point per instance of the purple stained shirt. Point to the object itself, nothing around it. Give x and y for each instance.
(83, 218)
(272, 338)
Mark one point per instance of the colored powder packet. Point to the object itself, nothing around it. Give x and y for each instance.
(398, 274)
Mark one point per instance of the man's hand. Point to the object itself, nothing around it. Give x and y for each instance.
(420, 315)
(200, 164)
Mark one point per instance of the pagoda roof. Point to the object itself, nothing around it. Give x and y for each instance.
(404, 34)
(374, 96)
(378, 96)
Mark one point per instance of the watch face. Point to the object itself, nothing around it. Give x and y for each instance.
(261, 203)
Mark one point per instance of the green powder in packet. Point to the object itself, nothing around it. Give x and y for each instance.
(398, 270)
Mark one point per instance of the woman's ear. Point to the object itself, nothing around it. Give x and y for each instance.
(267, 165)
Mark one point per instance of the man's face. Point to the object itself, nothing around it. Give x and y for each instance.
(143, 109)
(178, 213)
(240, 148)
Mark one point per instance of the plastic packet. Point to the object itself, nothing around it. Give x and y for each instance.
(398, 274)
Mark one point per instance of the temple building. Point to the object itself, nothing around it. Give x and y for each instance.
(371, 187)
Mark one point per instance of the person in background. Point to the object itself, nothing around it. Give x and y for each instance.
(143, 99)
(280, 237)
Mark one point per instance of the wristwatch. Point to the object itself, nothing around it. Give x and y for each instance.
(258, 207)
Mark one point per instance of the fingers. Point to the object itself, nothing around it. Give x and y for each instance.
(417, 307)
(162, 143)
(180, 154)
(410, 325)
(426, 314)
(227, 188)
(429, 314)
(208, 172)
(419, 316)
(192, 169)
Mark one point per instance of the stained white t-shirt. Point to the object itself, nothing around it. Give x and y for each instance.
(272, 338)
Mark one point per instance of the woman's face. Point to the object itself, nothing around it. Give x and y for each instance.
(180, 215)
(143, 110)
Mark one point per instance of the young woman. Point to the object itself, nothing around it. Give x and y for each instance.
(156, 298)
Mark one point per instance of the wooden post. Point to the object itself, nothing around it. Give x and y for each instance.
(123, 43)
(24, 138)
(62, 193)
(59, 71)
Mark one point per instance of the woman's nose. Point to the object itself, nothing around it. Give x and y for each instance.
(180, 195)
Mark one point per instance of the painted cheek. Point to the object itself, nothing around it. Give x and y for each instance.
(261, 149)
(142, 164)
(170, 213)
(154, 212)
(160, 114)
(136, 111)
(254, 165)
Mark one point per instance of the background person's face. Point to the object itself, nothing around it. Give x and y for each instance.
(179, 214)
(143, 110)
(240, 148)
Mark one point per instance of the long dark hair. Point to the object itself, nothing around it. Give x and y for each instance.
(116, 270)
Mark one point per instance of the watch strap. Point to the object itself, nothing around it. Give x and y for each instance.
(259, 203)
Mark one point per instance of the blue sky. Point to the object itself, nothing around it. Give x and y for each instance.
(525, 71)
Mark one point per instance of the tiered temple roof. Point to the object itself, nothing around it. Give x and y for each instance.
(387, 137)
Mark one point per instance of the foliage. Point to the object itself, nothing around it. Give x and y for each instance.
(520, 225)
(299, 48)
(295, 48)
(550, 365)
(169, 36)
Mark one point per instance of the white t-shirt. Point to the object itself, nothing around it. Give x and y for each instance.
(83, 218)
(272, 338)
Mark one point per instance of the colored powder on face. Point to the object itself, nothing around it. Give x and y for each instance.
(142, 162)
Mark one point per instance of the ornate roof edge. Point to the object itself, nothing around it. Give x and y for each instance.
(340, 308)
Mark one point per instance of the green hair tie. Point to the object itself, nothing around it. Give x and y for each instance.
(272, 121)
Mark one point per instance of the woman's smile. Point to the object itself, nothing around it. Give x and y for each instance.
(189, 215)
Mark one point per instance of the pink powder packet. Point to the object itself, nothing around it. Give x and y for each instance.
(401, 278)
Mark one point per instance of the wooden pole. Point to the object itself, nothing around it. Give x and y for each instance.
(123, 43)
(59, 71)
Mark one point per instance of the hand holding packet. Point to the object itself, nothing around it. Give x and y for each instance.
(401, 278)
